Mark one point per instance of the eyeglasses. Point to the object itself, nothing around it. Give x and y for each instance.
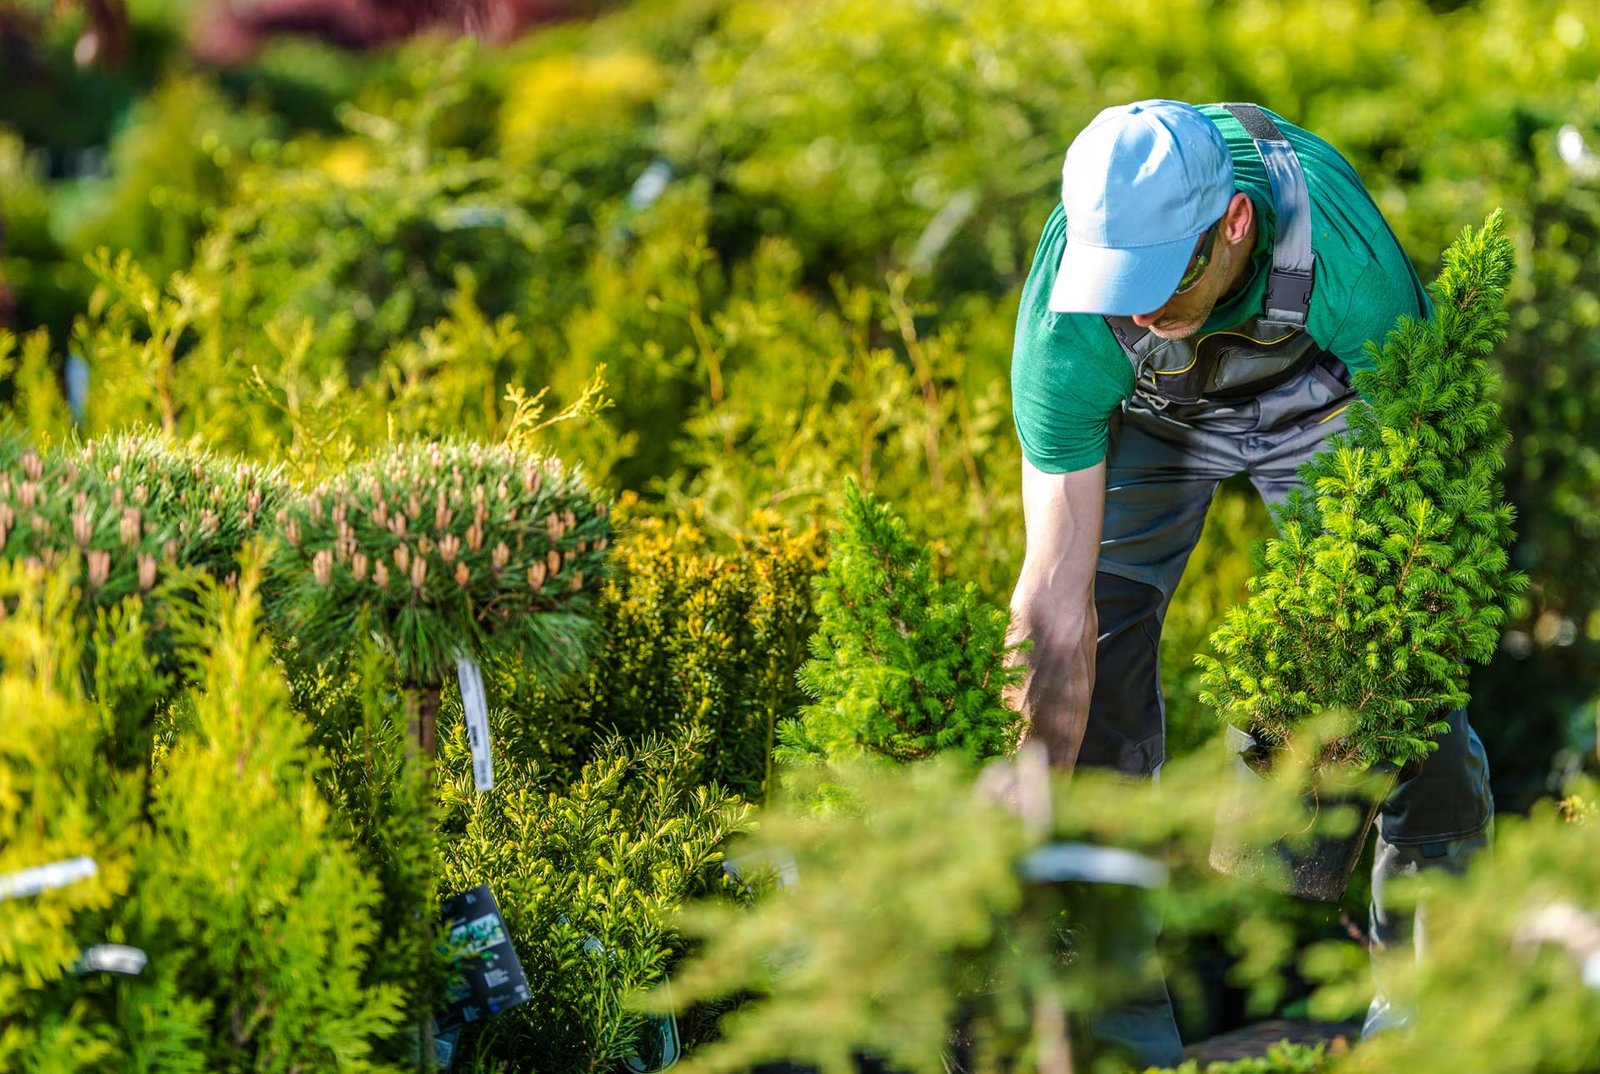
(1198, 263)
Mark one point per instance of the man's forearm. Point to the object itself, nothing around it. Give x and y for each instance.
(1054, 694)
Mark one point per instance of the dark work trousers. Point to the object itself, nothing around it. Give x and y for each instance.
(1163, 468)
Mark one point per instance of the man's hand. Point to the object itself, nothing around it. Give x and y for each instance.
(1053, 606)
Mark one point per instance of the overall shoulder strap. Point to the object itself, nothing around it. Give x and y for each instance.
(1293, 272)
(1135, 342)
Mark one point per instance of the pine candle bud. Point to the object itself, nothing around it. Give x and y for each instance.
(577, 582)
(322, 566)
(475, 537)
(82, 530)
(147, 571)
(449, 545)
(129, 528)
(358, 567)
(28, 494)
(463, 576)
(419, 573)
(554, 561)
(99, 568)
(500, 556)
(380, 575)
(536, 575)
(402, 558)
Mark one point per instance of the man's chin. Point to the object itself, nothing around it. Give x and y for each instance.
(1176, 330)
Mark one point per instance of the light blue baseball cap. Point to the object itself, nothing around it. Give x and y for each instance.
(1140, 184)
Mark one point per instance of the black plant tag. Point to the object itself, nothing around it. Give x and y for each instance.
(485, 974)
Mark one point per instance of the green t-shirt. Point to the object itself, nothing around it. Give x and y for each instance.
(1067, 372)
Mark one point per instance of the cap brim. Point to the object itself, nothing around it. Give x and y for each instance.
(1118, 283)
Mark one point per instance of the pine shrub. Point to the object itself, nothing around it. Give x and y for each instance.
(444, 549)
(128, 511)
(1390, 574)
(903, 665)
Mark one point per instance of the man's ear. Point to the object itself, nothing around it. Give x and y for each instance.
(1237, 220)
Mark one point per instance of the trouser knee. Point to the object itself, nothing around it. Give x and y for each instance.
(1126, 728)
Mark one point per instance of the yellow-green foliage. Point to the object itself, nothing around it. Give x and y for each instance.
(220, 861)
(255, 911)
(59, 800)
(1281, 1058)
(1503, 985)
(910, 912)
(696, 633)
(554, 98)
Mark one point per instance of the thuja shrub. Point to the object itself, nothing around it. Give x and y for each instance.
(444, 550)
(256, 913)
(694, 633)
(588, 880)
(1389, 575)
(903, 665)
(59, 801)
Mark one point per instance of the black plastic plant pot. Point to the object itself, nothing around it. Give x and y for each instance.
(1315, 853)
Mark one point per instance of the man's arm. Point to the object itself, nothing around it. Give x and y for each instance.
(1053, 605)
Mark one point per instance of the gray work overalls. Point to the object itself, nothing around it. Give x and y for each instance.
(1257, 399)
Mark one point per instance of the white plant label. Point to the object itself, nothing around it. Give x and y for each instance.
(44, 877)
(113, 958)
(475, 706)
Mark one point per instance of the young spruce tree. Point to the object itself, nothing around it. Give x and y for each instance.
(1389, 574)
(903, 665)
